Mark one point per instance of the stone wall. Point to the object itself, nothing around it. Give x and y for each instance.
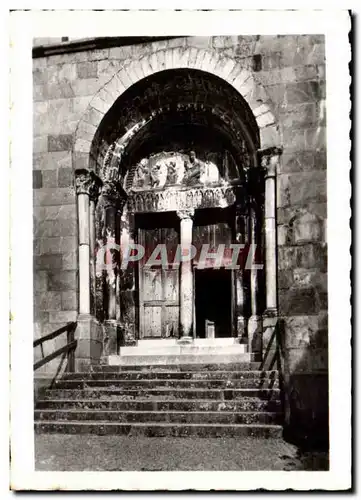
(291, 71)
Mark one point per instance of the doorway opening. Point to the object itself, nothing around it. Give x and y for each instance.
(213, 303)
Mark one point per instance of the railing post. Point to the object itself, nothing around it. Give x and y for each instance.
(71, 353)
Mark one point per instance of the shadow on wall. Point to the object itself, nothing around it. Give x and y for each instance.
(304, 388)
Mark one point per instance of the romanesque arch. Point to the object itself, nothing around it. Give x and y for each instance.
(226, 110)
(232, 72)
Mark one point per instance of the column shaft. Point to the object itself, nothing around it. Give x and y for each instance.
(84, 269)
(186, 277)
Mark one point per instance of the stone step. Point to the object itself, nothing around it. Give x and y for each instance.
(195, 417)
(145, 384)
(177, 367)
(173, 393)
(184, 350)
(158, 374)
(185, 359)
(159, 429)
(223, 341)
(184, 405)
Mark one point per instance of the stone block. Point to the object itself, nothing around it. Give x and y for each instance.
(285, 214)
(300, 188)
(56, 245)
(50, 178)
(87, 69)
(82, 145)
(70, 261)
(59, 90)
(270, 136)
(62, 280)
(55, 212)
(307, 359)
(296, 302)
(272, 61)
(316, 55)
(69, 300)
(65, 177)
(199, 42)
(48, 262)
(80, 104)
(54, 196)
(40, 281)
(300, 92)
(61, 142)
(303, 161)
(47, 301)
(285, 279)
(37, 179)
(51, 161)
(62, 316)
(40, 144)
(307, 227)
(86, 87)
(303, 115)
(40, 93)
(54, 228)
(81, 160)
(306, 256)
(40, 317)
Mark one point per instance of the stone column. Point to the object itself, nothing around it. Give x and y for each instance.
(242, 288)
(88, 349)
(112, 199)
(93, 199)
(255, 320)
(83, 181)
(270, 161)
(186, 277)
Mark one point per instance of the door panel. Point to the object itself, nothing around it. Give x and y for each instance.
(158, 287)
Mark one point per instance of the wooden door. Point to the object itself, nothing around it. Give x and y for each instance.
(158, 286)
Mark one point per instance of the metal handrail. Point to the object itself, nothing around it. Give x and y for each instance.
(69, 348)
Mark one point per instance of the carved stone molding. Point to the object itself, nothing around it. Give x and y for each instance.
(83, 181)
(186, 214)
(178, 200)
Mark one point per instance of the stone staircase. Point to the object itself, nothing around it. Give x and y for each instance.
(170, 396)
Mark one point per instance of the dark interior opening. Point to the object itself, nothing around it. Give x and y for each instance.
(213, 301)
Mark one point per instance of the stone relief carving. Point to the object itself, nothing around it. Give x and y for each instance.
(174, 169)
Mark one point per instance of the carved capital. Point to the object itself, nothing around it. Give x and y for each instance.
(113, 195)
(186, 213)
(95, 188)
(83, 181)
(269, 160)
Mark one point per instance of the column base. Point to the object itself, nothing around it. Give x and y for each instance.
(185, 340)
(110, 337)
(241, 328)
(89, 347)
(255, 336)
